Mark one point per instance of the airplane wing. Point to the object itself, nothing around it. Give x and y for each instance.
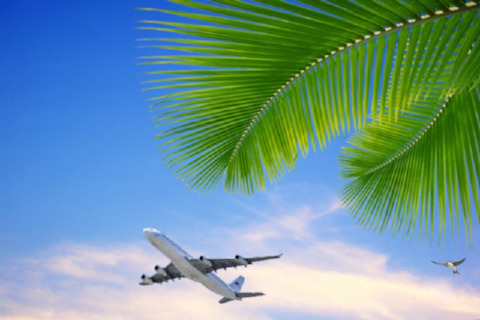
(208, 265)
(171, 273)
(458, 262)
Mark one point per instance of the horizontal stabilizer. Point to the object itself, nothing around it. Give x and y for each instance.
(241, 295)
(249, 294)
(224, 300)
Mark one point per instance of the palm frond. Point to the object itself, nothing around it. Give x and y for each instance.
(251, 85)
(406, 170)
(273, 77)
(404, 175)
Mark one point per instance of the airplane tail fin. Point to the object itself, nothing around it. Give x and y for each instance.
(236, 286)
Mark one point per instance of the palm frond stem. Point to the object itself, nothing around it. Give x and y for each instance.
(469, 6)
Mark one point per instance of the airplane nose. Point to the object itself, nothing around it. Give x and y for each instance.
(150, 233)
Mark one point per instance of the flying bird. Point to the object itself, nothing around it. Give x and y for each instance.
(451, 265)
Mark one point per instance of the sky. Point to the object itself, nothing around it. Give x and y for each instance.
(81, 176)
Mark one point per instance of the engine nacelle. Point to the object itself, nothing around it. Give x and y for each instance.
(159, 270)
(146, 280)
(241, 260)
(205, 261)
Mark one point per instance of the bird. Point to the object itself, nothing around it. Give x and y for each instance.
(451, 265)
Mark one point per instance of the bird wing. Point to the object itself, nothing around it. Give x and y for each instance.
(442, 264)
(458, 262)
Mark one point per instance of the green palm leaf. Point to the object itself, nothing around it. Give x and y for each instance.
(260, 82)
(403, 175)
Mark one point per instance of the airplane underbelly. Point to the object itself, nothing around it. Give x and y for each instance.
(209, 280)
(188, 270)
(216, 285)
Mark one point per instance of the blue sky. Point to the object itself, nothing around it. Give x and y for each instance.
(81, 177)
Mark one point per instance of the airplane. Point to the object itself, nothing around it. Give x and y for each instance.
(199, 270)
(451, 265)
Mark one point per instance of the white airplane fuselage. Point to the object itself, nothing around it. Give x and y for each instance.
(179, 258)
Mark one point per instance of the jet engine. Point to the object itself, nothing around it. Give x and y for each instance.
(160, 271)
(205, 261)
(241, 260)
(146, 280)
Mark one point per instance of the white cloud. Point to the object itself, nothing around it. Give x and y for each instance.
(85, 282)
(315, 278)
(347, 282)
(291, 223)
(331, 279)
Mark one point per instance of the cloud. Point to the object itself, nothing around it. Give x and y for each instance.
(325, 279)
(343, 281)
(88, 282)
(291, 222)
(317, 278)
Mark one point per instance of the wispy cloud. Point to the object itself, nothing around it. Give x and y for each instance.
(290, 217)
(293, 225)
(332, 279)
(317, 278)
(361, 293)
